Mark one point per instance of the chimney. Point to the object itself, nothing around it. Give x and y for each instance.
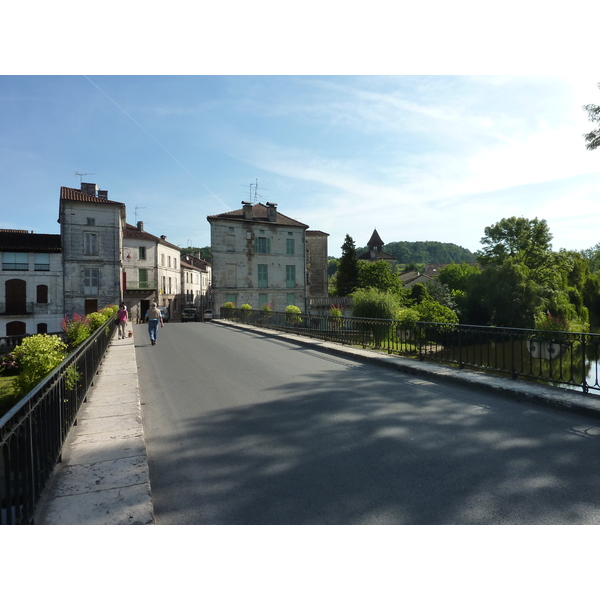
(89, 188)
(163, 238)
(103, 194)
(272, 212)
(140, 225)
(247, 210)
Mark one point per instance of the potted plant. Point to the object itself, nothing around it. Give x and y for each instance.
(227, 310)
(246, 311)
(293, 315)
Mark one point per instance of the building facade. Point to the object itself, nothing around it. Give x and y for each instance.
(151, 272)
(91, 229)
(258, 258)
(31, 281)
(195, 282)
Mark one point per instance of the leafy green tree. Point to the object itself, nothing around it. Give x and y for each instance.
(205, 252)
(524, 240)
(431, 311)
(332, 266)
(379, 275)
(592, 138)
(347, 274)
(459, 276)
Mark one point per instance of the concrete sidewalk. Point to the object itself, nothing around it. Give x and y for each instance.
(103, 478)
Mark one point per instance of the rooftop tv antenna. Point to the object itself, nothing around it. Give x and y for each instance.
(254, 198)
(136, 212)
(80, 175)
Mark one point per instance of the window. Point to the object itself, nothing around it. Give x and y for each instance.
(231, 298)
(41, 261)
(42, 327)
(231, 230)
(162, 260)
(290, 276)
(142, 252)
(41, 294)
(15, 261)
(169, 287)
(90, 281)
(263, 277)
(169, 261)
(289, 246)
(163, 289)
(262, 245)
(262, 300)
(143, 277)
(291, 300)
(90, 221)
(90, 244)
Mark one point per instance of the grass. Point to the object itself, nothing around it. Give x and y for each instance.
(7, 395)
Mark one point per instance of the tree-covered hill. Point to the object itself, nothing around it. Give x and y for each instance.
(426, 252)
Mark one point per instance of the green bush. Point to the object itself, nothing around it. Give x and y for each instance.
(110, 311)
(37, 356)
(229, 305)
(96, 320)
(431, 311)
(293, 314)
(246, 307)
(371, 303)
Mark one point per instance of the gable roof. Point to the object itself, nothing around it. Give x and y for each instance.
(131, 232)
(259, 215)
(18, 240)
(78, 196)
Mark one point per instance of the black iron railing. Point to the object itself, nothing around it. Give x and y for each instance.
(555, 357)
(33, 432)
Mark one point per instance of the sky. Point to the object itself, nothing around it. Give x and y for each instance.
(419, 158)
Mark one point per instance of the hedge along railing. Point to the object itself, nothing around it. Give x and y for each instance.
(33, 432)
(555, 357)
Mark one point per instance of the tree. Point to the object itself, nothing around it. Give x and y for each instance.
(379, 275)
(347, 274)
(526, 241)
(592, 138)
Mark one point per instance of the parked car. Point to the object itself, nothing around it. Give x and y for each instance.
(189, 314)
(208, 314)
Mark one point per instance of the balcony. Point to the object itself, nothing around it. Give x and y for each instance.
(133, 286)
(16, 309)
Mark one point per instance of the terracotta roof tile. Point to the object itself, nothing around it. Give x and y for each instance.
(259, 215)
(79, 196)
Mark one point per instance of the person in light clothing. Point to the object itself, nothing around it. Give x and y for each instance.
(154, 317)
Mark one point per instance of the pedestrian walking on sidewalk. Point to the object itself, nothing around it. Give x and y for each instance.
(122, 317)
(154, 318)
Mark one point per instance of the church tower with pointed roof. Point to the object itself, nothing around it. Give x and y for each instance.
(375, 252)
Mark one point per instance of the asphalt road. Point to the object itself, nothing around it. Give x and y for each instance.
(242, 428)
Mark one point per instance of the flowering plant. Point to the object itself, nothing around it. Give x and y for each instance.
(9, 365)
(77, 329)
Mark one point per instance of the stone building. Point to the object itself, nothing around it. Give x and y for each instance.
(258, 258)
(91, 229)
(31, 281)
(316, 264)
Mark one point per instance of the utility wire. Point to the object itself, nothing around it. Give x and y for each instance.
(149, 134)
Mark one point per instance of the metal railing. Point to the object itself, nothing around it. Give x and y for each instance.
(556, 357)
(33, 432)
